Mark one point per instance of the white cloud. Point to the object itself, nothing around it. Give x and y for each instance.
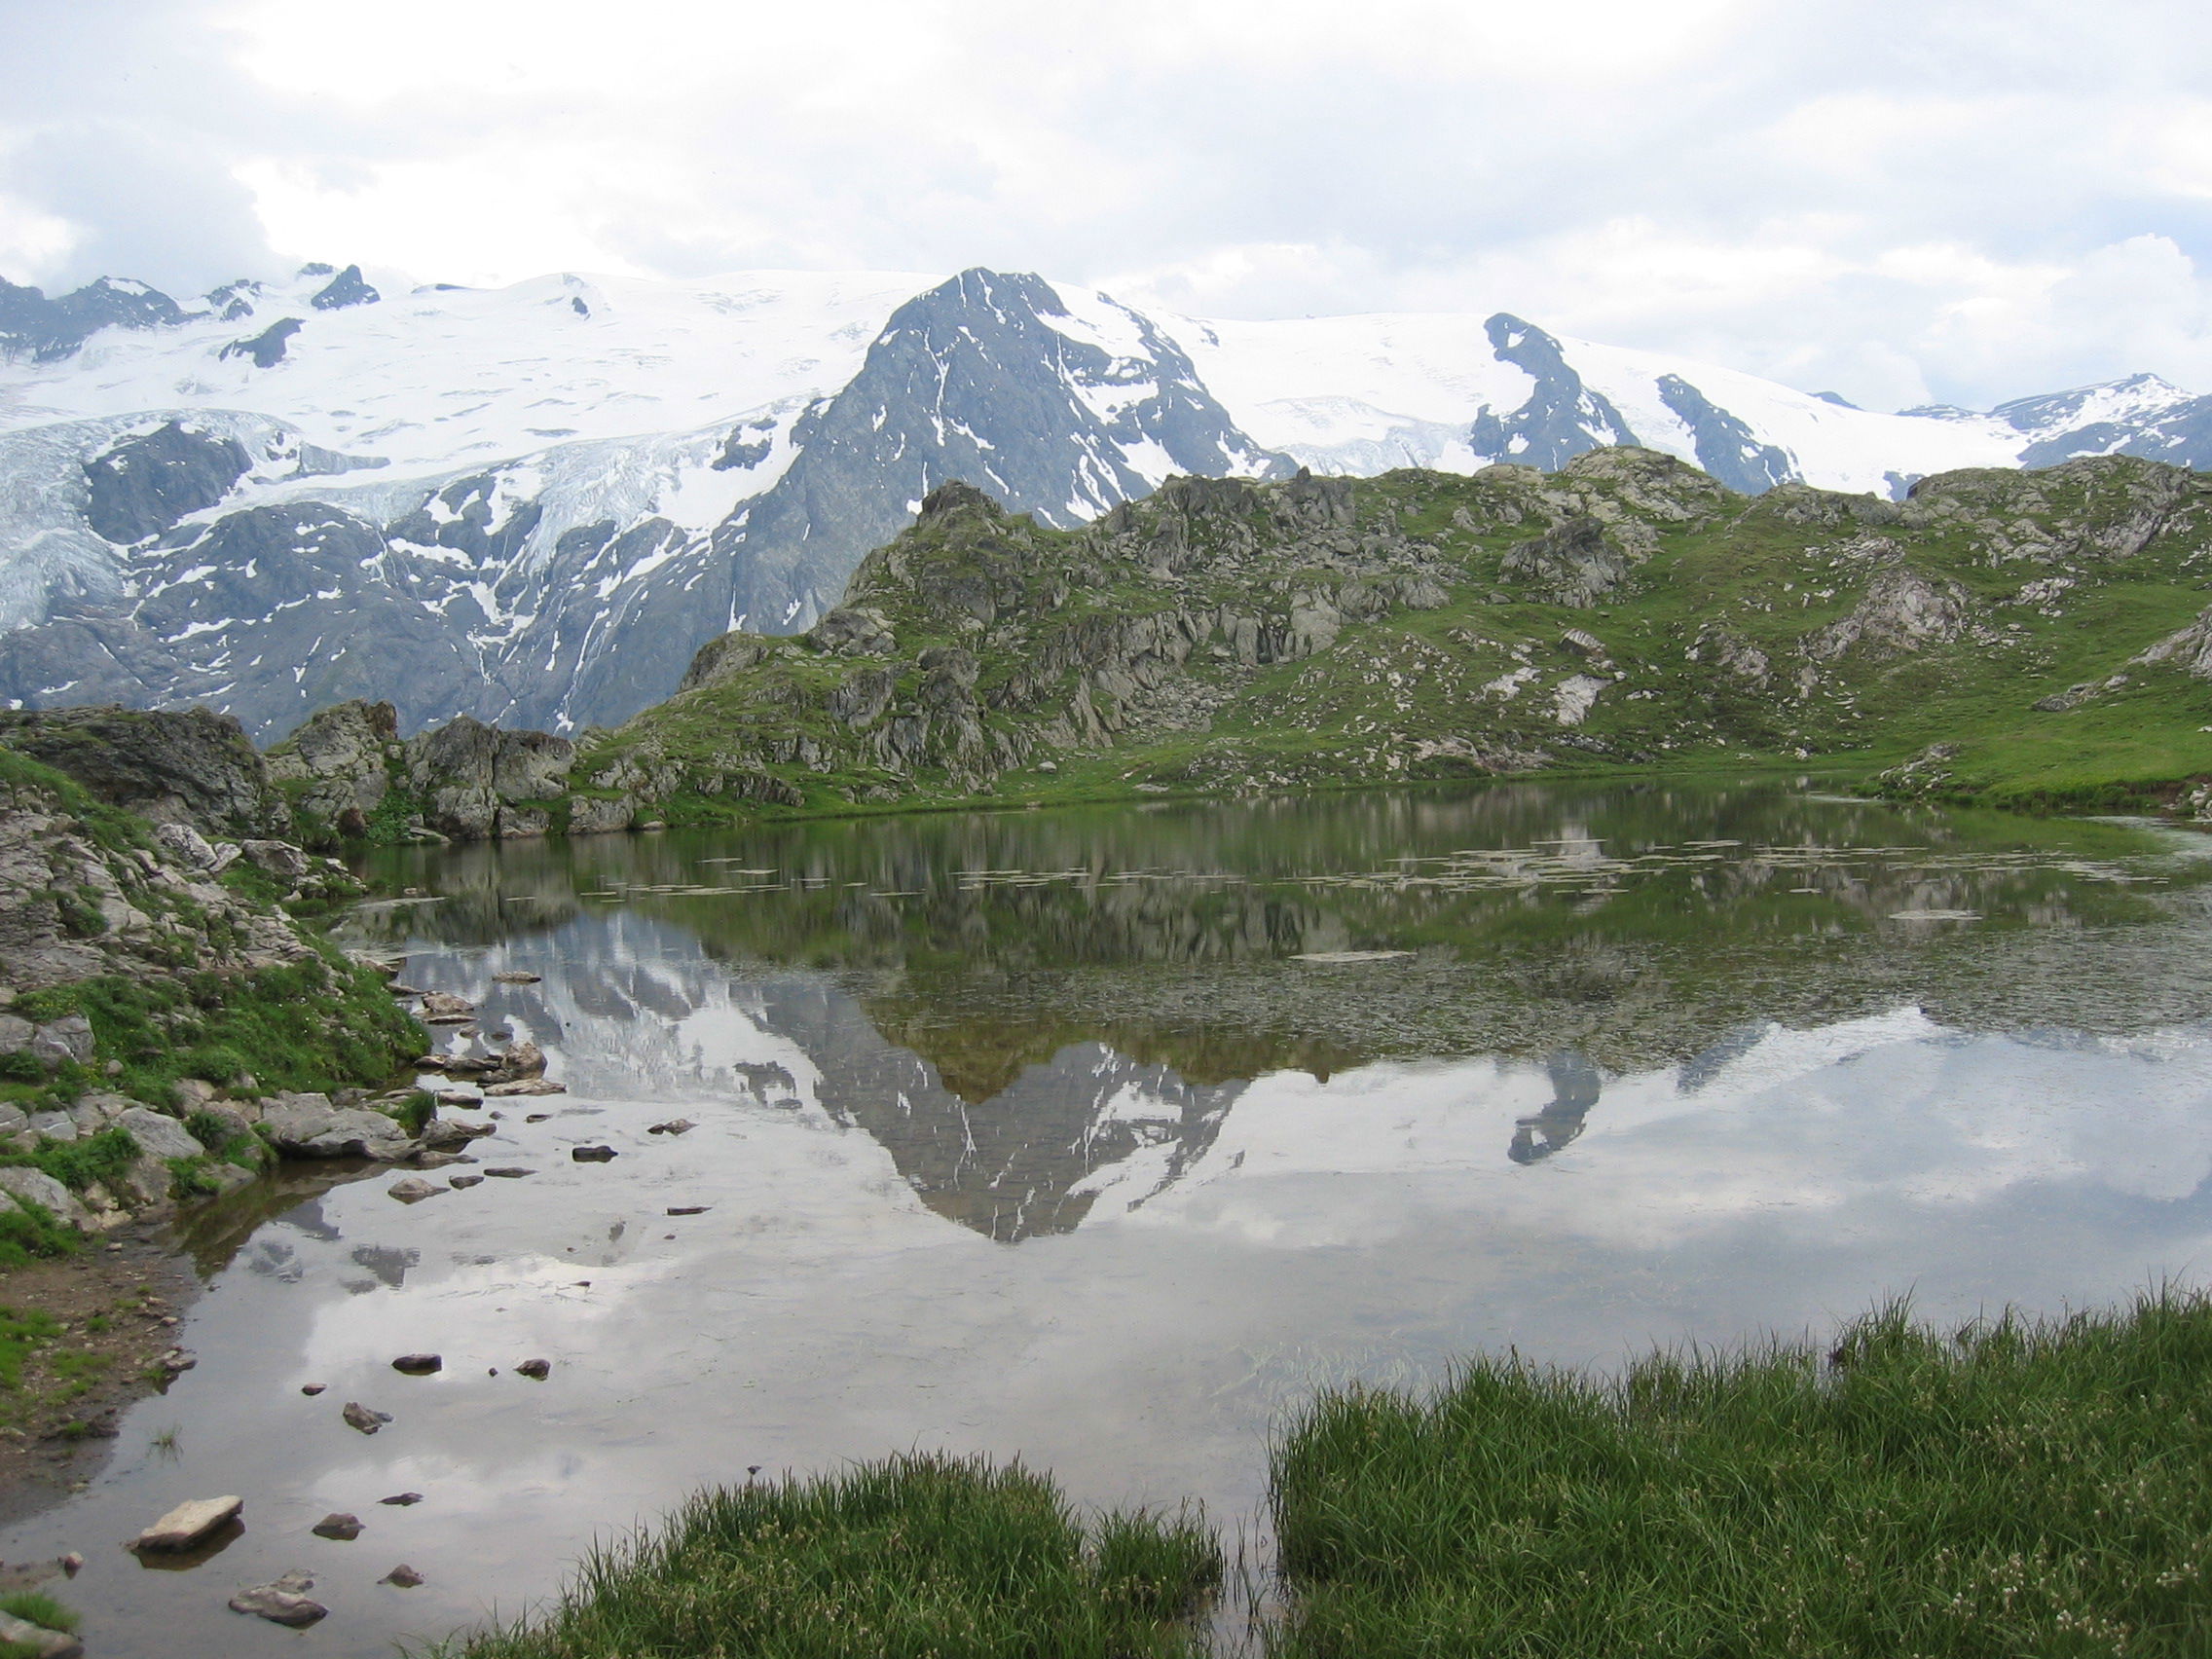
(1904, 202)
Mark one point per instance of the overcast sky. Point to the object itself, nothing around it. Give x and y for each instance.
(1939, 199)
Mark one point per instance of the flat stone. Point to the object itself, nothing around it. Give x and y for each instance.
(536, 1370)
(515, 977)
(673, 1126)
(338, 1524)
(413, 1190)
(53, 1126)
(403, 1500)
(159, 1136)
(188, 1522)
(462, 1183)
(526, 1086)
(402, 1577)
(442, 1136)
(593, 1154)
(462, 1098)
(689, 1209)
(310, 1389)
(358, 1415)
(418, 1364)
(511, 1173)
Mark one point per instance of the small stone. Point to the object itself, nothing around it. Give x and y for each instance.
(514, 976)
(673, 1126)
(280, 1605)
(527, 1085)
(536, 1370)
(338, 1524)
(402, 1577)
(188, 1522)
(413, 1190)
(70, 1563)
(592, 1153)
(358, 1415)
(310, 1389)
(462, 1099)
(537, 1117)
(689, 1209)
(418, 1364)
(402, 1498)
(462, 1182)
(509, 1172)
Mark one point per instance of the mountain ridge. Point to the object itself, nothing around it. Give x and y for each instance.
(725, 453)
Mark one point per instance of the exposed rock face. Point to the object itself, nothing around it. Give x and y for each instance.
(342, 754)
(193, 767)
(1902, 611)
(144, 485)
(470, 776)
(1574, 564)
(1562, 419)
(131, 912)
(2188, 650)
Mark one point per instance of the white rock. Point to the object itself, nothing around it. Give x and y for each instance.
(189, 1522)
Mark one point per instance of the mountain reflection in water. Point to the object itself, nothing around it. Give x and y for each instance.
(1028, 1011)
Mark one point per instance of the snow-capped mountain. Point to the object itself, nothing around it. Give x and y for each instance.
(534, 503)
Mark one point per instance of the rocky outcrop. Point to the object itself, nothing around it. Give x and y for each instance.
(463, 781)
(1574, 564)
(2189, 648)
(191, 767)
(344, 757)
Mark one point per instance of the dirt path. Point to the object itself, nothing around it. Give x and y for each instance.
(80, 1340)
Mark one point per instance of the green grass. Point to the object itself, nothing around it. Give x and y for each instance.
(31, 1230)
(913, 1557)
(2013, 1488)
(319, 1024)
(22, 1335)
(39, 1608)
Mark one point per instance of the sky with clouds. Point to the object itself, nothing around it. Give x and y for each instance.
(1954, 199)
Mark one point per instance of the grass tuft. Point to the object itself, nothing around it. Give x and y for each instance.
(2012, 1488)
(913, 1557)
(39, 1608)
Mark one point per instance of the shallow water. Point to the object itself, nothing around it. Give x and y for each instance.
(1101, 1138)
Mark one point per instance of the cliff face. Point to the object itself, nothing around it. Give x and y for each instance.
(1225, 633)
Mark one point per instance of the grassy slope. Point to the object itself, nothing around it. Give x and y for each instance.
(1770, 572)
(2014, 1490)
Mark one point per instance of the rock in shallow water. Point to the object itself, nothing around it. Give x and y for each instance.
(402, 1498)
(418, 1364)
(402, 1577)
(360, 1416)
(338, 1526)
(412, 1191)
(536, 1370)
(592, 1153)
(283, 1602)
(188, 1522)
(528, 1085)
(22, 1636)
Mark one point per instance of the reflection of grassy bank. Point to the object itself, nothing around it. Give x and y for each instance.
(907, 1558)
(2017, 1489)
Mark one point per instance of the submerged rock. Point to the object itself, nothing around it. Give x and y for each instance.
(338, 1526)
(284, 1601)
(402, 1577)
(412, 1191)
(418, 1364)
(360, 1416)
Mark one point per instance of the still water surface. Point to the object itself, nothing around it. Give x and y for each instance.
(1100, 1138)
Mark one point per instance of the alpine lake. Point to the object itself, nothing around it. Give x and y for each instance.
(1101, 1137)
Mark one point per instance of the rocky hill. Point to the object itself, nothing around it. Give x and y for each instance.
(2034, 636)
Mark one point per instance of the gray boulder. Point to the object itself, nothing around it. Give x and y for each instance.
(14, 1033)
(308, 1125)
(159, 1136)
(58, 1041)
(37, 1187)
(342, 752)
